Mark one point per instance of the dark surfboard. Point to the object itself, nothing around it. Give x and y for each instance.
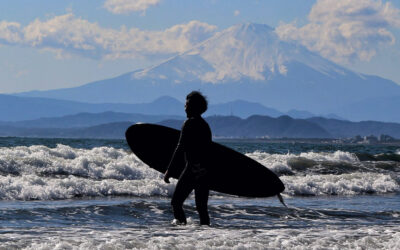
(230, 172)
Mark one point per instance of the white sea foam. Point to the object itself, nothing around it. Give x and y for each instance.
(337, 156)
(33, 187)
(40, 172)
(192, 237)
(318, 184)
(30, 187)
(281, 163)
(271, 159)
(96, 163)
(344, 184)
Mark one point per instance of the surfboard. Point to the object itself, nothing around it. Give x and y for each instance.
(230, 172)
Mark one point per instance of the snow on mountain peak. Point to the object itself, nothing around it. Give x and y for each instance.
(252, 51)
(246, 50)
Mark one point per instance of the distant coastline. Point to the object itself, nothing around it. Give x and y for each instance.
(344, 141)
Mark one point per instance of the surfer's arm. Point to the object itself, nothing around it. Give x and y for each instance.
(171, 164)
(178, 152)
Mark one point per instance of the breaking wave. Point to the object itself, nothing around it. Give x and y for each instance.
(63, 172)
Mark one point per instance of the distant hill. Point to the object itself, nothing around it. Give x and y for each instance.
(89, 119)
(15, 108)
(229, 127)
(301, 114)
(242, 109)
(39, 111)
(104, 131)
(259, 126)
(343, 129)
(222, 126)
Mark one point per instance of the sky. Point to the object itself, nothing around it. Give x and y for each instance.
(47, 44)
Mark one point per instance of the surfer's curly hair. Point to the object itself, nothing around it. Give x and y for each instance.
(197, 101)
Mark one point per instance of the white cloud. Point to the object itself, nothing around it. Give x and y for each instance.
(236, 13)
(68, 34)
(345, 30)
(10, 32)
(127, 6)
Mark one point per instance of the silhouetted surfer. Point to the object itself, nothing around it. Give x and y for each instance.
(194, 142)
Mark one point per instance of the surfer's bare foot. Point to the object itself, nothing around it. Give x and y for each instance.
(177, 222)
(166, 179)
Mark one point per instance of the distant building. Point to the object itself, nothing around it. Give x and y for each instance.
(356, 139)
(370, 139)
(386, 138)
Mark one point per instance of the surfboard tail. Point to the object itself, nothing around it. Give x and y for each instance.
(281, 200)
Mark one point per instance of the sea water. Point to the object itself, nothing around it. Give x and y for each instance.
(95, 194)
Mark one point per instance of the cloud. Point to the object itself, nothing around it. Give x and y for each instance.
(10, 32)
(128, 6)
(345, 30)
(236, 13)
(67, 34)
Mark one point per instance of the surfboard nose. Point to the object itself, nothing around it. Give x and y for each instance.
(135, 130)
(129, 132)
(133, 135)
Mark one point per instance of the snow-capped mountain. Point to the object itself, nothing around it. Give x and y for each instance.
(247, 62)
(250, 51)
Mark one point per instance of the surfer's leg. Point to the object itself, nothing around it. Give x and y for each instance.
(201, 196)
(182, 190)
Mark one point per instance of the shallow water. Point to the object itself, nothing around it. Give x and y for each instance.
(77, 194)
(333, 222)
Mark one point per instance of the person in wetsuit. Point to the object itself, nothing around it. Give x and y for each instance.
(195, 142)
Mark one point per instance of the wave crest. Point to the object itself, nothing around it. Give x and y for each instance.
(63, 172)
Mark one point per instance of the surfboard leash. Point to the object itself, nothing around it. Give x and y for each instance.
(281, 200)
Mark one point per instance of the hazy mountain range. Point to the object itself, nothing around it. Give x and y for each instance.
(259, 126)
(255, 126)
(249, 62)
(45, 112)
(82, 120)
(15, 108)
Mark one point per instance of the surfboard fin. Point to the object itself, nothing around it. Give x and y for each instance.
(281, 199)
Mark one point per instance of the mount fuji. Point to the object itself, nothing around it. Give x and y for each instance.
(247, 62)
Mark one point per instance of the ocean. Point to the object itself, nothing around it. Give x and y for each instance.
(95, 194)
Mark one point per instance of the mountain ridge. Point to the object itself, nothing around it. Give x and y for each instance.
(229, 127)
(28, 111)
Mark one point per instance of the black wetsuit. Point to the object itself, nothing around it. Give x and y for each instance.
(195, 141)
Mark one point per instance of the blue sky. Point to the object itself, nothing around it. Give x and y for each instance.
(57, 44)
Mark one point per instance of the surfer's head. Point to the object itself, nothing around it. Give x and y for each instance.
(196, 104)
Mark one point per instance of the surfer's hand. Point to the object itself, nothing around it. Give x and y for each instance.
(166, 177)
